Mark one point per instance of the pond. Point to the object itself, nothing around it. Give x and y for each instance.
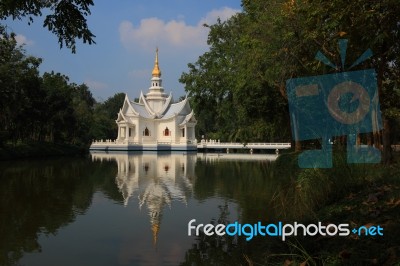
(125, 208)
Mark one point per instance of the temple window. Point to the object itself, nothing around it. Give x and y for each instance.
(146, 132)
(130, 132)
(183, 132)
(167, 132)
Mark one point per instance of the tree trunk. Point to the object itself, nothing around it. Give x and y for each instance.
(369, 139)
(387, 155)
(377, 140)
(297, 145)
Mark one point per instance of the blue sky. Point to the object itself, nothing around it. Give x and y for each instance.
(127, 34)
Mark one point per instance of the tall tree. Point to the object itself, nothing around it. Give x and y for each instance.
(83, 105)
(242, 77)
(34, 108)
(60, 121)
(19, 87)
(229, 89)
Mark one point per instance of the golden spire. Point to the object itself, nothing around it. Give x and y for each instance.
(156, 70)
(155, 228)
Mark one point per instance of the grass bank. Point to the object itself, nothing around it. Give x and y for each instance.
(357, 194)
(39, 150)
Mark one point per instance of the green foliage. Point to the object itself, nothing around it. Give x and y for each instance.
(317, 25)
(304, 27)
(307, 190)
(35, 108)
(105, 114)
(65, 19)
(230, 93)
(48, 108)
(237, 88)
(20, 89)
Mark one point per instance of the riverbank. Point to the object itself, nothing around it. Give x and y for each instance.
(361, 195)
(375, 204)
(39, 150)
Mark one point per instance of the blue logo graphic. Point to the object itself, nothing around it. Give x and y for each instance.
(326, 106)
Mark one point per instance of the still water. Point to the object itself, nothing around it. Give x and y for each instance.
(124, 209)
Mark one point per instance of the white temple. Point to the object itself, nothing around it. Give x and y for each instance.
(155, 122)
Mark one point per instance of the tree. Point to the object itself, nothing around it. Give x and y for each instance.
(230, 89)
(105, 114)
(66, 19)
(36, 109)
(20, 90)
(60, 120)
(242, 77)
(313, 25)
(83, 105)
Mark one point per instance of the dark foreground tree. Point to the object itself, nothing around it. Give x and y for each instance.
(64, 18)
(19, 88)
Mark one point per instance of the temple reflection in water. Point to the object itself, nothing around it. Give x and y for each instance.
(156, 179)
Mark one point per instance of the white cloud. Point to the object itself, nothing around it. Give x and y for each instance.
(223, 13)
(174, 33)
(23, 40)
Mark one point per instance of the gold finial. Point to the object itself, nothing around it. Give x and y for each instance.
(156, 70)
(155, 228)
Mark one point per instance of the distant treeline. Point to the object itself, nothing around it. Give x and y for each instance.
(48, 108)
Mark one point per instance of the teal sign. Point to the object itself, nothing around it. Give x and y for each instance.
(327, 106)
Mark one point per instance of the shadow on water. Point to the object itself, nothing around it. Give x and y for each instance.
(42, 196)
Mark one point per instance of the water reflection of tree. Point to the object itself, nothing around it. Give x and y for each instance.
(228, 250)
(250, 184)
(42, 196)
(253, 185)
(214, 250)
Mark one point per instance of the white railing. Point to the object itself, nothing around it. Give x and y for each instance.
(104, 141)
(269, 144)
(115, 142)
(111, 142)
(203, 142)
(216, 142)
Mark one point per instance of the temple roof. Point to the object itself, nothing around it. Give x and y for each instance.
(156, 104)
(175, 109)
(141, 109)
